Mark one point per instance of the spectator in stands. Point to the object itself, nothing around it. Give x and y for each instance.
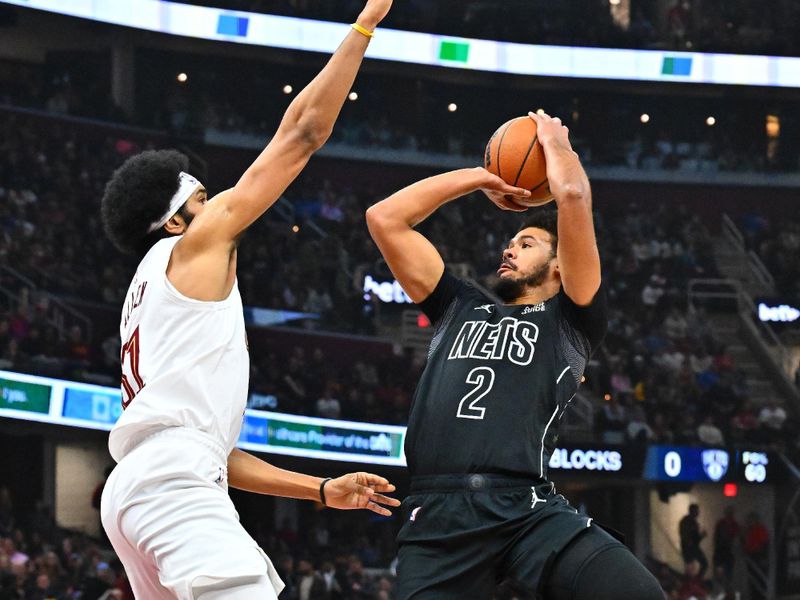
(708, 433)
(612, 420)
(691, 536)
(726, 536)
(722, 587)
(328, 406)
(358, 585)
(638, 430)
(692, 587)
(310, 584)
(772, 417)
(756, 550)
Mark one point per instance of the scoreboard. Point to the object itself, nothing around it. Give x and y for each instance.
(712, 465)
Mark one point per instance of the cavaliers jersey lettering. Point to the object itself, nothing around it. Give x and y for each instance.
(184, 362)
(497, 381)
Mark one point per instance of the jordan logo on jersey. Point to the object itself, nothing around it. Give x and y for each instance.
(535, 498)
(510, 339)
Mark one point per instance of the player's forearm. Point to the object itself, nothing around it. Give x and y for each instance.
(415, 203)
(246, 472)
(316, 107)
(578, 257)
(566, 176)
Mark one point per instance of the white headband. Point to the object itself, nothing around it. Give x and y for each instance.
(187, 187)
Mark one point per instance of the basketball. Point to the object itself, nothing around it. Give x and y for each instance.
(515, 155)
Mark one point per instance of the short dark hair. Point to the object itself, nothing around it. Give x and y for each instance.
(543, 218)
(138, 194)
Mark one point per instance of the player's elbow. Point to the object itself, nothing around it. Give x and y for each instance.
(376, 220)
(313, 130)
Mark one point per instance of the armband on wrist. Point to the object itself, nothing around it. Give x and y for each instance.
(322, 490)
(363, 30)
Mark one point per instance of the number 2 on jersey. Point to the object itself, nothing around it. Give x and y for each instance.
(132, 382)
(483, 380)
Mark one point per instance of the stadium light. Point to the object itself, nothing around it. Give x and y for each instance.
(288, 89)
(182, 78)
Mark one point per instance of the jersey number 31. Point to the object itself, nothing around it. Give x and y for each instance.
(132, 382)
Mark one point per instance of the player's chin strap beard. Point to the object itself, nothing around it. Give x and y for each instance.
(509, 289)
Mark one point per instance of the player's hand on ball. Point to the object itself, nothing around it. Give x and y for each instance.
(360, 490)
(373, 13)
(501, 193)
(550, 130)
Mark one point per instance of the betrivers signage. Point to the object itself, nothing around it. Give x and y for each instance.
(771, 312)
(389, 292)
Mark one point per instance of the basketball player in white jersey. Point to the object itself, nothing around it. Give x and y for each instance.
(185, 361)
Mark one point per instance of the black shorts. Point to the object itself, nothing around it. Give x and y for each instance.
(464, 534)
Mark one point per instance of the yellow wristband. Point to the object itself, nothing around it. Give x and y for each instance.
(362, 30)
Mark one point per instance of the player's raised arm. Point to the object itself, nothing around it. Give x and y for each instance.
(305, 127)
(578, 258)
(413, 260)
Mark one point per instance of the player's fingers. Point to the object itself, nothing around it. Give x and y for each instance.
(363, 490)
(389, 487)
(375, 480)
(381, 499)
(507, 203)
(512, 190)
(377, 508)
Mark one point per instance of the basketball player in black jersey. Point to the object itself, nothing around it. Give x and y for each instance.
(487, 409)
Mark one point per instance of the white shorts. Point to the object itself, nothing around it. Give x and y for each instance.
(168, 515)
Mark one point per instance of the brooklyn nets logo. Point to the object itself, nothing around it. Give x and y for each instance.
(715, 464)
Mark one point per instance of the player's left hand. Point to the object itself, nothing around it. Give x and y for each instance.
(373, 13)
(501, 193)
(360, 490)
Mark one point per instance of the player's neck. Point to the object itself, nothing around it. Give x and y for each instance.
(538, 294)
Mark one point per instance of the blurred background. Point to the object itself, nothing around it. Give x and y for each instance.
(684, 435)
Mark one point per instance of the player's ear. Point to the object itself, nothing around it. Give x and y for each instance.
(175, 225)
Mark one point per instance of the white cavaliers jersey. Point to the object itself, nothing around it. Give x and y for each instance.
(185, 362)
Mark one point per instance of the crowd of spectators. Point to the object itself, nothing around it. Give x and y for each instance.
(318, 383)
(40, 561)
(330, 555)
(665, 376)
(740, 26)
(606, 128)
(777, 242)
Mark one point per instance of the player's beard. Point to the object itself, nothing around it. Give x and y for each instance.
(508, 289)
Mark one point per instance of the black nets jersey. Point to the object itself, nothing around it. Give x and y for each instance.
(498, 380)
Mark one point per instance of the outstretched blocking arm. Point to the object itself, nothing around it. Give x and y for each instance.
(414, 261)
(578, 257)
(305, 127)
(349, 492)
